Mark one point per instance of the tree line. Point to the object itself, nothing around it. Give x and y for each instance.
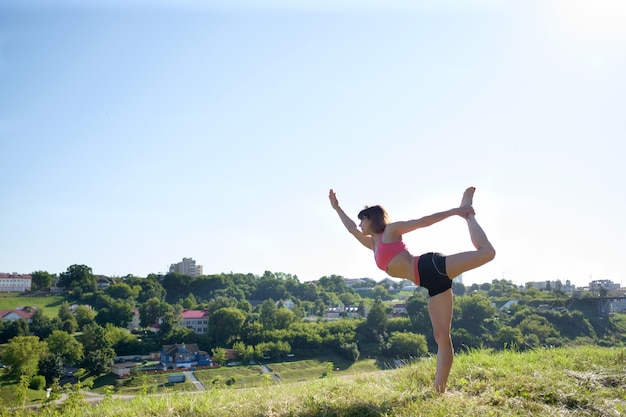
(247, 314)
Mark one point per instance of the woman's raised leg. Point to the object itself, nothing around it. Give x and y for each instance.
(440, 312)
(461, 262)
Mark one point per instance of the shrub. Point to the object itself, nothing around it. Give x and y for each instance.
(37, 383)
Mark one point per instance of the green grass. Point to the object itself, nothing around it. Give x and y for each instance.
(580, 381)
(49, 304)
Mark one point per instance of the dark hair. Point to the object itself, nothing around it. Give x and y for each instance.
(377, 215)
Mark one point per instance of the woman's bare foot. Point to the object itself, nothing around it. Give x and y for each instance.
(468, 197)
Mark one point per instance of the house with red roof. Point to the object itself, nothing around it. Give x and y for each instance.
(25, 313)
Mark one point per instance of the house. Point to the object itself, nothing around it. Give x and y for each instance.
(399, 310)
(288, 304)
(25, 313)
(15, 282)
(340, 312)
(183, 356)
(196, 320)
(103, 282)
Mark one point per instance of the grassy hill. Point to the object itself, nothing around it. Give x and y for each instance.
(50, 304)
(579, 381)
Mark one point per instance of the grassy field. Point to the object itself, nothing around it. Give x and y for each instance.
(49, 304)
(581, 381)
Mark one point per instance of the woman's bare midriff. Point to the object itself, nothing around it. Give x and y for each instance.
(401, 266)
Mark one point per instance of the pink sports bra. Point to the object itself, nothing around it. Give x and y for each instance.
(385, 252)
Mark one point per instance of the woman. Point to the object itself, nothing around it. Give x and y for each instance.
(432, 271)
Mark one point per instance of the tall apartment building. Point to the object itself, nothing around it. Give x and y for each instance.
(187, 267)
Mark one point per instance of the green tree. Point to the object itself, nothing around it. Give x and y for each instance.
(118, 313)
(509, 337)
(51, 367)
(69, 323)
(123, 291)
(84, 315)
(283, 318)
(66, 346)
(475, 308)
(13, 329)
(95, 337)
(151, 310)
(377, 319)
(407, 345)
(42, 280)
(381, 292)
(267, 314)
(78, 279)
(226, 325)
(40, 325)
(219, 355)
(22, 354)
(538, 326)
(99, 361)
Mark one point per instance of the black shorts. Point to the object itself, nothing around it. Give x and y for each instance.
(432, 269)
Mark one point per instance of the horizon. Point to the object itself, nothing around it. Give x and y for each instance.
(133, 134)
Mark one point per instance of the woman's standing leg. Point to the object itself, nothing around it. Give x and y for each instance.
(462, 262)
(440, 311)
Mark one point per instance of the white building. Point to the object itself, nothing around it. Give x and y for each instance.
(187, 267)
(15, 282)
(196, 320)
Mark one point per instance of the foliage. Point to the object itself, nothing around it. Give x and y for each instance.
(22, 354)
(66, 346)
(78, 279)
(406, 345)
(41, 280)
(37, 383)
(51, 366)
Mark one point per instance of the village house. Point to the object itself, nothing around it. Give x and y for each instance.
(25, 313)
(341, 312)
(183, 356)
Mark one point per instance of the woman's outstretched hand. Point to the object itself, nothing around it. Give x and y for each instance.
(333, 199)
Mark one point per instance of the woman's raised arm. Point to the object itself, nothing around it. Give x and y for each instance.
(348, 223)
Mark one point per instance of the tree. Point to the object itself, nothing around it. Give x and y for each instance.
(22, 354)
(42, 280)
(475, 307)
(84, 315)
(64, 345)
(283, 318)
(226, 325)
(13, 329)
(78, 279)
(70, 324)
(118, 313)
(99, 361)
(40, 325)
(123, 291)
(381, 292)
(407, 345)
(51, 367)
(377, 319)
(219, 355)
(151, 311)
(95, 337)
(267, 314)
(509, 336)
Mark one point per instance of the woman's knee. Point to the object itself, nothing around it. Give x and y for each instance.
(442, 337)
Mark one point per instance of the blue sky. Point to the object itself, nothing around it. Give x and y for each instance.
(133, 134)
